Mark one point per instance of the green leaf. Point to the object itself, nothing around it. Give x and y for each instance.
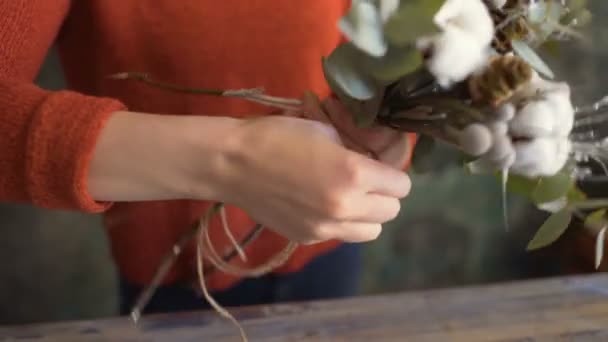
(524, 51)
(595, 217)
(344, 74)
(551, 230)
(363, 26)
(357, 91)
(396, 63)
(552, 188)
(366, 111)
(575, 5)
(521, 185)
(413, 19)
(575, 195)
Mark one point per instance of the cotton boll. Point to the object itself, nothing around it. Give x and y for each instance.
(454, 55)
(364, 28)
(552, 113)
(475, 139)
(472, 16)
(536, 119)
(563, 110)
(498, 127)
(540, 157)
(502, 153)
(557, 95)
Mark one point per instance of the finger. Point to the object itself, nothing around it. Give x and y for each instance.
(353, 232)
(375, 208)
(383, 179)
(371, 208)
(397, 153)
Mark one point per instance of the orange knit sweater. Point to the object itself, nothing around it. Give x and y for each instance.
(47, 137)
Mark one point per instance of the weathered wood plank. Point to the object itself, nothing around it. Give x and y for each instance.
(562, 309)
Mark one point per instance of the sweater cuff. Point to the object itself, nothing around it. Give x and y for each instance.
(60, 145)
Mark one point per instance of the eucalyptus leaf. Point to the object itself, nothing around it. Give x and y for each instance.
(551, 230)
(600, 242)
(413, 19)
(523, 50)
(367, 111)
(359, 93)
(549, 189)
(343, 70)
(396, 63)
(363, 26)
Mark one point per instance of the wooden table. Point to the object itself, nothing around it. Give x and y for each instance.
(561, 309)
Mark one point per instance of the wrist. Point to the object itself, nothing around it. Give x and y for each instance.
(209, 164)
(141, 157)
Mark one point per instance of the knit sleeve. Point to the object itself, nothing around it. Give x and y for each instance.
(47, 138)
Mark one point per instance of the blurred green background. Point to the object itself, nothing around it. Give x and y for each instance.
(56, 265)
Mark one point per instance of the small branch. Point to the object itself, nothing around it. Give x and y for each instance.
(253, 94)
(145, 78)
(591, 204)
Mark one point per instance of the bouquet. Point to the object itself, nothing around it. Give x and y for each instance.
(468, 73)
(462, 72)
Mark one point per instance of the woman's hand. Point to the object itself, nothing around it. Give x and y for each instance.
(389, 146)
(292, 175)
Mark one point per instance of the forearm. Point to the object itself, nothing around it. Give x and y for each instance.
(141, 157)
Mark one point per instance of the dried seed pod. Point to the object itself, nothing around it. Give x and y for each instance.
(500, 80)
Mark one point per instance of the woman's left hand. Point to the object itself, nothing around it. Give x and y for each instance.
(388, 145)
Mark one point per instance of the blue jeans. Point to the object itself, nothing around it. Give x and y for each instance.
(332, 275)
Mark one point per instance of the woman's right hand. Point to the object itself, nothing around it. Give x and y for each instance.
(290, 174)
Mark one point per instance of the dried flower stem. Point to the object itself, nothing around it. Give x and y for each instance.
(204, 241)
(254, 94)
(169, 259)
